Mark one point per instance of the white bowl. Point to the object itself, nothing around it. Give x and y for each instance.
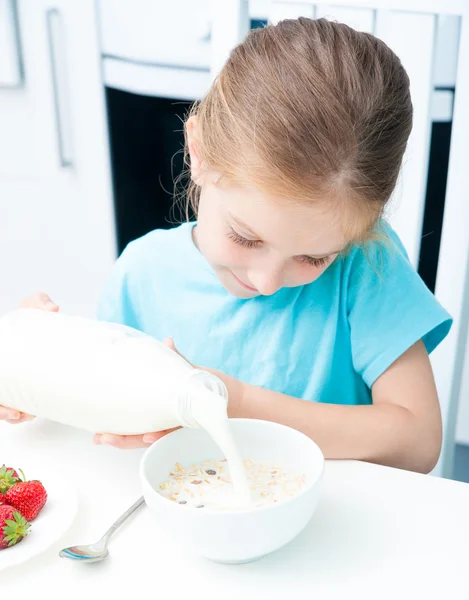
(234, 536)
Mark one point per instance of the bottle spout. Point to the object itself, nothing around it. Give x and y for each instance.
(204, 407)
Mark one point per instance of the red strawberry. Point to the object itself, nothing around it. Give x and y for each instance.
(28, 497)
(8, 477)
(13, 527)
(3, 500)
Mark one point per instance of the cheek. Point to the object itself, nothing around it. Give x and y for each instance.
(302, 274)
(219, 250)
(233, 254)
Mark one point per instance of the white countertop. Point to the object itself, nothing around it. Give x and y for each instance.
(378, 533)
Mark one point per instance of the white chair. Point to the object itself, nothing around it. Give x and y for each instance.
(408, 27)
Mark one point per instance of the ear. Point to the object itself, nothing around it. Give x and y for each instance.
(191, 136)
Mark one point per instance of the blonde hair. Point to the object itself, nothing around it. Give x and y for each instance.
(311, 111)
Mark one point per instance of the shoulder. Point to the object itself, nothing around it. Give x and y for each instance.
(388, 306)
(144, 267)
(385, 243)
(381, 258)
(157, 239)
(380, 271)
(145, 252)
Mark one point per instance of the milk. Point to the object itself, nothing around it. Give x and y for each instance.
(208, 485)
(109, 378)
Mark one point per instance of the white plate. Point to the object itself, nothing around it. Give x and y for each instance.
(52, 522)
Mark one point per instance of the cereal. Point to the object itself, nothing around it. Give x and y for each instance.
(269, 484)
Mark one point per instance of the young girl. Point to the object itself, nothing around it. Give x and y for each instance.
(290, 286)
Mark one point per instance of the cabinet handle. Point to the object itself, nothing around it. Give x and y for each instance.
(12, 75)
(57, 54)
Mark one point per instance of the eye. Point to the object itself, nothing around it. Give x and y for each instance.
(315, 262)
(242, 241)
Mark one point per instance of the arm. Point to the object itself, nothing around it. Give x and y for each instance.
(402, 428)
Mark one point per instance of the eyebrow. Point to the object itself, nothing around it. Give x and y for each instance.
(243, 226)
(325, 255)
(249, 230)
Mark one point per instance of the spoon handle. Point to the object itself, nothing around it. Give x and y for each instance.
(123, 518)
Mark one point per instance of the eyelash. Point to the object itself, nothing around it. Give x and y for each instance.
(238, 239)
(315, 262)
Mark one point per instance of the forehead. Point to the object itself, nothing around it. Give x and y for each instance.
(287, 226)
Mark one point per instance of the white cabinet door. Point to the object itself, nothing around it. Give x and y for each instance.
(57, 230)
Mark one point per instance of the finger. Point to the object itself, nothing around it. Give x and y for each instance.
(20, 420)
(169, 342)
(39, 300)
(151, 438)
(124, 442)
(13, 416)
(24, 417)
(14, 419)
(129, 442)
(9, 414)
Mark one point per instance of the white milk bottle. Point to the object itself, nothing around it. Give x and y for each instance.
(108, 378)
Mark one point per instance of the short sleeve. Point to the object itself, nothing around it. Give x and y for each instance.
(117, 303)
(389, 308)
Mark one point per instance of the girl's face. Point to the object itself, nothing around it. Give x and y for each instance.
(258, 244)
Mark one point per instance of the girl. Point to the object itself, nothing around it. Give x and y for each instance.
(290, 286)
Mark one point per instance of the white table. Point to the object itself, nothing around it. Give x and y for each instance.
(378, 533)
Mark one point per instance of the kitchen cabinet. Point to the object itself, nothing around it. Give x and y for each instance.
(57, 230)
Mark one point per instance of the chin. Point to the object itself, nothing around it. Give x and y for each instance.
(239, 292)
(232, 287)
(244, 295)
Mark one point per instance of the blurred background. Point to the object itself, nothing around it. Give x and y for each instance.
(93, 95)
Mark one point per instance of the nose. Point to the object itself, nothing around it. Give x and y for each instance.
(267, 279)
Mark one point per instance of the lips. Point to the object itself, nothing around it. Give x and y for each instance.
(244, 285)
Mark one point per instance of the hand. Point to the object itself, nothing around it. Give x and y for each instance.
(39, 300)
(130, 442)
(10, 415)
(143, 441)
(42, 301)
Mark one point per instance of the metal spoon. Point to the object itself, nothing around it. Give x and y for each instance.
(98, 551)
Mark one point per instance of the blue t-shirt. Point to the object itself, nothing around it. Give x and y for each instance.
(326, 341)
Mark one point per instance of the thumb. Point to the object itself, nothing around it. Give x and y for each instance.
(39, 300)
(47, 303)
(169, 343)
